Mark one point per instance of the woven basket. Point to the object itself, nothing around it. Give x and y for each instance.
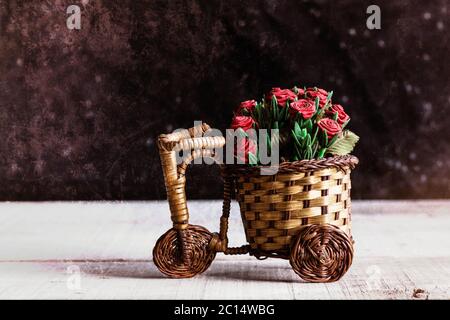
(305, 199)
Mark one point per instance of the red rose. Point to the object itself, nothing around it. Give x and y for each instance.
(243, 122)
(248, 105)
(282, 95)
(342, 116)
(330, 127)
(314, 93)
(244, 145)
(300, 93)
(305, 107)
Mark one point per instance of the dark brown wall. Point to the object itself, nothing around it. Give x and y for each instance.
(80, 110)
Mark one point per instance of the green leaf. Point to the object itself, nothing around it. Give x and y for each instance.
(327, 101)
(303, 133)
(294, 135)
(274, 101)
(297, 129)
(335, 116)
(317, 106)
(344, 144)
(315, 135)
(308, 125)
(257, 112)
(330, 94)
(286, 114)
(324, 138)
(241, 133)
(344, 124)
(285, 111)
(308, 141)
(308, 154)
(252, 159)
(321, 153)
(316, 146)
(274, 107)
(298, 152)
(333, 140)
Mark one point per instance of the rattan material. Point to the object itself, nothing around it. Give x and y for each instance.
(169, 260)
(340, 162)
(184, 250)
(302, 213)
(321, 253)
(276, 208)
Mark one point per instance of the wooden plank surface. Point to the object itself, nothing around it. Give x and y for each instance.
(79, 250)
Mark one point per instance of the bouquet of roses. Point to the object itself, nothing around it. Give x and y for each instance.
(309, 125)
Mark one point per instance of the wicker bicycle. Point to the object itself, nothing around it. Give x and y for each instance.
(302, 213)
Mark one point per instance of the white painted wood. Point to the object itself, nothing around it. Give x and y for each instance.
(401, 246)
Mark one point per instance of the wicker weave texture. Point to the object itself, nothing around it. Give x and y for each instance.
(276, 208)
(196, 258)
(184, 250)
(321, 253)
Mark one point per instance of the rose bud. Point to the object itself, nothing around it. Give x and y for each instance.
(282, 96)
(342, 116)
(330, 127)
(243, 122)
(312, 93)
(248, 105)
(300, 93)
(305, 107)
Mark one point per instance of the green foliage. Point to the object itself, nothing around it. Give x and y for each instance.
(252, 159)
(305, 145)
(335, 116)
(323, 138)
(302, 138)
(344, 144)
(328, 101)
(308, 125)
(321, 153)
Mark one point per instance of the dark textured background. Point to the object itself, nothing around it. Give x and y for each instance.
(80, 110)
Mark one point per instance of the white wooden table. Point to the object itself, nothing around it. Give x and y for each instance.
(79, 250)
